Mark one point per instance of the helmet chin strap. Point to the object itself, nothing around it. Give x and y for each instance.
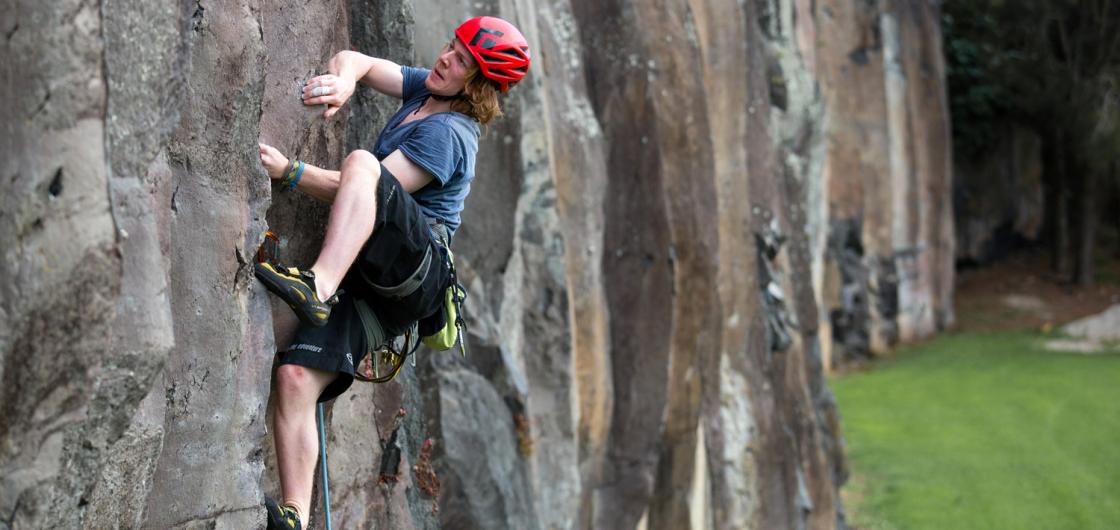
(439, 97)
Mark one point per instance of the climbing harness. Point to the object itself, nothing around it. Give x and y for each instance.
(387, 354)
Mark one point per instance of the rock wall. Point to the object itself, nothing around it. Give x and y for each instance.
(682, 201)
(886, 265)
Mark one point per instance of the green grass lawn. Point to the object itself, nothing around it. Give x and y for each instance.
(985, 431)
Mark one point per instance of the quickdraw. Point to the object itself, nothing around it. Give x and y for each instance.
(390, 356)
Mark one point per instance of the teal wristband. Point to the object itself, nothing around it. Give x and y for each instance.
(299, 173)
(289, 174)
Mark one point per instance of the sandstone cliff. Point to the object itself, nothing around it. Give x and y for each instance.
(686, 202)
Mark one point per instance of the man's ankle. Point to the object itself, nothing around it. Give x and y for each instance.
(299, 511)
(324, 287)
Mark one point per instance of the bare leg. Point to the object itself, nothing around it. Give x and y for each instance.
(351, 221)
(295, 433)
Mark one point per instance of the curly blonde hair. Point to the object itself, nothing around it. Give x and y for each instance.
(479, 98)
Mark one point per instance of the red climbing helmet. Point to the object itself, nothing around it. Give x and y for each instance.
(499, 49)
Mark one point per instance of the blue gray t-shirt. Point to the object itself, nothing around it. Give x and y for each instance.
(444, 144)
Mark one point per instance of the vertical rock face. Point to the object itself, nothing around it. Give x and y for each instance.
(887, 271)
(688, 208)
(63, 375)
(214, 380)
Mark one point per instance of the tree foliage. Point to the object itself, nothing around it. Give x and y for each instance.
(1045, 63)
(1053, 66)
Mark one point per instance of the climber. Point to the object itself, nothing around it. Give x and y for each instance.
(389, 208)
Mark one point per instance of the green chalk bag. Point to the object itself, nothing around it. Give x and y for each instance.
(454, 324)
(448, 335)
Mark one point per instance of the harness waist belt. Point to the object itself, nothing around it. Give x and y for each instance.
(410, 284)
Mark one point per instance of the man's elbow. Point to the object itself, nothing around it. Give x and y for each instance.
(351, 57)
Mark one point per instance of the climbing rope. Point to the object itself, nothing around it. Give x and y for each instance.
(323, 466)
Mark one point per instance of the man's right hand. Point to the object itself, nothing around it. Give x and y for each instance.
(275, 164)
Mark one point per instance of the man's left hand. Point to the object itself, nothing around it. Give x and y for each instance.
(330, 90)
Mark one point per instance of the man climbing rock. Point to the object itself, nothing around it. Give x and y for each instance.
(393, 210)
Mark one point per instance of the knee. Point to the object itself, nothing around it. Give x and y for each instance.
(293, 380)
(361, 157)
(361, 164)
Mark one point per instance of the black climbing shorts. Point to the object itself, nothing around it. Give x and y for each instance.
(402, 236)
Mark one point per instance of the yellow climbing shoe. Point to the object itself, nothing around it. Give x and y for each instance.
(281, 517)
(297, 289)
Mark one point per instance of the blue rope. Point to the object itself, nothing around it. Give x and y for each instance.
(323, 466)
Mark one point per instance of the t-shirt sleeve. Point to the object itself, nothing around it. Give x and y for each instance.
(436, 147)
(413, 81)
